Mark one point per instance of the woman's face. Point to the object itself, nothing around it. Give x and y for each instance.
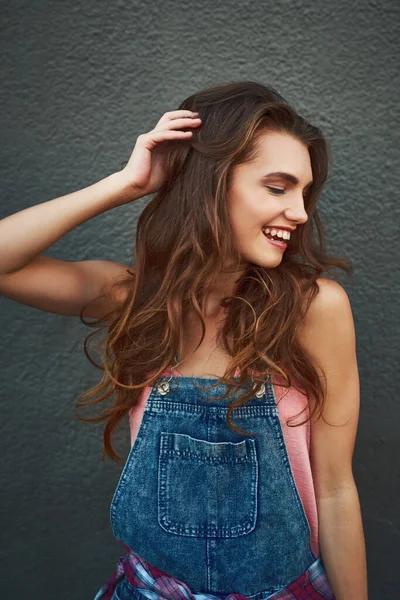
(253, 205)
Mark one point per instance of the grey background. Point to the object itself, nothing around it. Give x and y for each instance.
(79, 82)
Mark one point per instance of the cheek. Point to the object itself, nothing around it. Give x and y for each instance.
(249, 217)
(241, 220)
(245, 207)
(245, 229)
(250, 210)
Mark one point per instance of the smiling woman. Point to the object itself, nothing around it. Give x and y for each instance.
(253, 171)
(238, 482)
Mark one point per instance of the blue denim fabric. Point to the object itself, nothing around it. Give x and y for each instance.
(215, 509)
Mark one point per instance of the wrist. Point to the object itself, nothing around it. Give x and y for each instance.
(126, 192)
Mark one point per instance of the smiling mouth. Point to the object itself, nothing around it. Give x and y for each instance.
(272, 233)
(276, 242)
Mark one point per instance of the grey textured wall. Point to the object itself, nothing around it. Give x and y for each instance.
(80, 81)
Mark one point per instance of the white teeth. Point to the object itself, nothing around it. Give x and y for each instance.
(279, 233)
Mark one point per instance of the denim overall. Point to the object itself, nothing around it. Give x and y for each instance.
(215, 509)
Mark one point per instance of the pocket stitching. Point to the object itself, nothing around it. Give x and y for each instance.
(167, 441)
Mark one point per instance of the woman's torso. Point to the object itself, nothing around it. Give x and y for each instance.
(258, 503)
(210, 360)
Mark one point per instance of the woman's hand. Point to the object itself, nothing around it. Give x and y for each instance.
(144, 170)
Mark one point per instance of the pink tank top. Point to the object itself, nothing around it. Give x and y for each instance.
(297, 441)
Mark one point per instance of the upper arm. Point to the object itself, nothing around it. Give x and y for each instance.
(328, 336)
(64, 288)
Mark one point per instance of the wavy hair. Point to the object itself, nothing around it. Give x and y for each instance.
(184, 239)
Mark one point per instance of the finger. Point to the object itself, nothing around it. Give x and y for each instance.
(178, 124)
(176, 114)
(157, 136)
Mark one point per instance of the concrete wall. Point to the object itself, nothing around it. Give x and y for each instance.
(80, 81)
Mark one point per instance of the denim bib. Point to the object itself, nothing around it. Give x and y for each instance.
(213, 508)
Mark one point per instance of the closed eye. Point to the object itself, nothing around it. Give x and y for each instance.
(275, 190)
(280, 191)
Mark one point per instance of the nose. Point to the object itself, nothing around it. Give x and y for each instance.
(297, 212)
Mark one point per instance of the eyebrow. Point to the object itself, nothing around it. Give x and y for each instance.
(287, 177)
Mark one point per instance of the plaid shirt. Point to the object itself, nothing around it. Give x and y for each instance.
(158, 585)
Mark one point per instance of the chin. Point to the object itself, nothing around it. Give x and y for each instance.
(266, 257)
(266, 262)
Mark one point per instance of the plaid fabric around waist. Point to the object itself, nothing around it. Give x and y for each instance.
(153, 583)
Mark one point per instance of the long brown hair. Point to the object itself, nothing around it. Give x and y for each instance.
(183, 240)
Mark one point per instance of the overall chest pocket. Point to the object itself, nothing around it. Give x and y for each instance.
(207, 489)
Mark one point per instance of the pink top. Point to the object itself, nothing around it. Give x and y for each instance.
(297, 441)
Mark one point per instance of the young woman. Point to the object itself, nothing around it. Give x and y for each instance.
(232, 356)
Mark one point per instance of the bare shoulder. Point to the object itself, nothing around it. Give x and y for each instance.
(331, 295)
(329, 306)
